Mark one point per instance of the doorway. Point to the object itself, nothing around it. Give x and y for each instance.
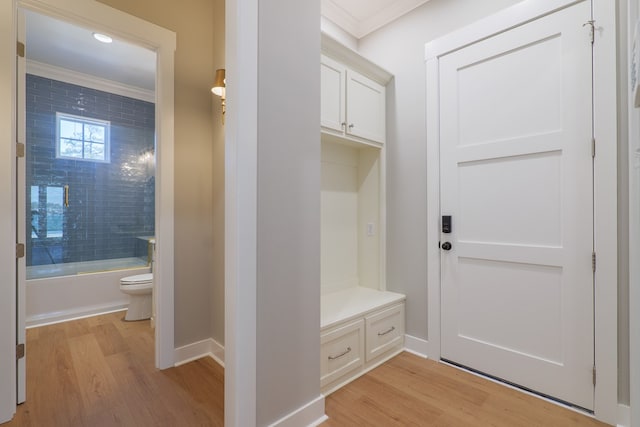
(514, 287)
(516, 179)
(161, 42)
(86, 183)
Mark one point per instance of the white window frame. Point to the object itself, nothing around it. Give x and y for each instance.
(85, 120)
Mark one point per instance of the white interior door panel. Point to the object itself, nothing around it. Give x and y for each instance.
(516, 177)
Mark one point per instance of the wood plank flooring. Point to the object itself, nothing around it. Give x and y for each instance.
(99, 372)
(411, 391)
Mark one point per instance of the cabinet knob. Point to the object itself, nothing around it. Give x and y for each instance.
(350, 126)
(343, 124)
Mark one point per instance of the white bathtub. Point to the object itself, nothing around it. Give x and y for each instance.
(76, 293)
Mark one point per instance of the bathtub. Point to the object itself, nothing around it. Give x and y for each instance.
(78, 289)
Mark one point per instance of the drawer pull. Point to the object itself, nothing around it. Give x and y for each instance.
(388, 331)
(347, 351)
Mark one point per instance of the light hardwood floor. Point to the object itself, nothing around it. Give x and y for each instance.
(99, 372)
(411, 391)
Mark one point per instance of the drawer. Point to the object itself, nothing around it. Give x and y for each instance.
(341, 351)
(385, 330)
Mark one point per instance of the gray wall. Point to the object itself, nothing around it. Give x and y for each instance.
(406, 154)
(406, 139)
(196, 127)
(288, 255)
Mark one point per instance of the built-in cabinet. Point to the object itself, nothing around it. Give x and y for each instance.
(352, 105)
(362, 324)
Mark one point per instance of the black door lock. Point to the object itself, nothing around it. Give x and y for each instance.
(446, 246)
(446, 223)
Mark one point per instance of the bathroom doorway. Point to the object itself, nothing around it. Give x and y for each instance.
(89, 188)
(90, 121)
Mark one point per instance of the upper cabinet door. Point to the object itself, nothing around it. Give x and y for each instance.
(365, 107)
(332, 96)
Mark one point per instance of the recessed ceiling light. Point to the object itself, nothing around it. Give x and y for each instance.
(102, 38)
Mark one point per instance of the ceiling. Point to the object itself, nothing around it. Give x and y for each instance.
(361, 17)
(58, 43)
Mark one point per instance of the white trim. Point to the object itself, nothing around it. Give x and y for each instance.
(606, 211)
(605, 401)
(311, 415)
(634, 231)
(197, 350)
(85, 80)
(103, 18)
(7, 211)
(105, 124)
(624, 415)
(433, 208)
(416, 346)
(74, 314)
(360, 28)
(241, 205)
(497, 23)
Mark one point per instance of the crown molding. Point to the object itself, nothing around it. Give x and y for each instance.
(73, 77)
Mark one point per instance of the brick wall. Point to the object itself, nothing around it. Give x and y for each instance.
(109, 203)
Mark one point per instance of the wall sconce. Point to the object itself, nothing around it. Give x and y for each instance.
(219, 88)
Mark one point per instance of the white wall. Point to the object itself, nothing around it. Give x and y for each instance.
(399, 48)
(288, 298)
(272, 266)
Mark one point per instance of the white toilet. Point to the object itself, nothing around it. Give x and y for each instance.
(139, 288)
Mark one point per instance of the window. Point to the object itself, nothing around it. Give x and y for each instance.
(82, 138)
(47, 217)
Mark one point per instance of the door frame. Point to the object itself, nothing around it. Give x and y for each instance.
(605, 180)
(633, 14)
(135, 30)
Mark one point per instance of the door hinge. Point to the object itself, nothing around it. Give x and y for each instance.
(593, 261)
(20, 50)
(19, 351)
(19, 250)
(594, 375)
(20, 150)
(593, 148)
(592, 29)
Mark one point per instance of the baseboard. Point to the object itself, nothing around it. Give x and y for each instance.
(624, 415)
(67, 315)
(310, 415)
(197, 350)
(416, 346)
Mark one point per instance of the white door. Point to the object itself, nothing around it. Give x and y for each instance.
(20, 211)
(516, 178)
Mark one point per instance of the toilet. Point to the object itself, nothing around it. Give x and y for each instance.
(139, 289)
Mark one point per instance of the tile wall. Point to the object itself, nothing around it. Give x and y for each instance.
(109, 203)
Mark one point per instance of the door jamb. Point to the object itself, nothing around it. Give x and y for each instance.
(605, 183)
(135, 30)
